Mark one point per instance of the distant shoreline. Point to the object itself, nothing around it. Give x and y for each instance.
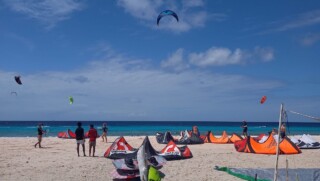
(307, 122)
(150, 128)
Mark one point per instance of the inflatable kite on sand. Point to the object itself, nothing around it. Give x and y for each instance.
(142, 166)
(268, 146)
(306, 142)
(223, 139)
(187, 139)
(71, 135)
(172, 152)
(67, 135)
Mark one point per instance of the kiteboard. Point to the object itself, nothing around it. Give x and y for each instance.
(142, 163)
(132, 164)
(118, 174)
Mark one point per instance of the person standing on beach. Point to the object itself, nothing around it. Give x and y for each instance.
(104, 132)
(244, 128)
(195, 130)
(93, 134)
(283, 130)
(40, 133)
(80, 138)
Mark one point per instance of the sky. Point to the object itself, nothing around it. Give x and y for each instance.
(214, 64)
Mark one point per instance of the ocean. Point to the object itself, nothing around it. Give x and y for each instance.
(140, 128)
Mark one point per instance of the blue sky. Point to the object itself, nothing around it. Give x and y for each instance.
(213, 65)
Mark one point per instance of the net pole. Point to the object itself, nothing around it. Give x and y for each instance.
(277, 153)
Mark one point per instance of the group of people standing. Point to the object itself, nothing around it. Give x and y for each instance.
(92, 135)
(80, 137)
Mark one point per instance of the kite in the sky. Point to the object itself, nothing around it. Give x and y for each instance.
(167, 13)
(17, 78)
(263, 99)
(71, 100)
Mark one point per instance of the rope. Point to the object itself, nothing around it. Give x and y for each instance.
(307, 116)
(311, 117)
(286, 119)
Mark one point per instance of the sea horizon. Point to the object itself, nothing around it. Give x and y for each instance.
(150, 128)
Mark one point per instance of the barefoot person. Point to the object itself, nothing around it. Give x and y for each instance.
(104, 132)
(80, 138)
(40, 133)
(93, 134)
(195, 130)
(283, 130)
(245, 128)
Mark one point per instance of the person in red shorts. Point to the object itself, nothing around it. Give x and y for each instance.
(93, 134)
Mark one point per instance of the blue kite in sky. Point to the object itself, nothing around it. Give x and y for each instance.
(167, 13)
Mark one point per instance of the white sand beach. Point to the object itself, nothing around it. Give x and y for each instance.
(58, 160)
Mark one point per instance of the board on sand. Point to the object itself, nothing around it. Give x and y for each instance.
(118, 174)
(142, 163)
(146, 172)
(132, 164)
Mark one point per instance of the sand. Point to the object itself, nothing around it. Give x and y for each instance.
(58, 160)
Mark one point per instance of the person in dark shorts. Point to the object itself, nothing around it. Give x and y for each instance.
(40, 133)
(93, 134)
(244, 128)
(80, 138)
(104, 132)
(283, 130)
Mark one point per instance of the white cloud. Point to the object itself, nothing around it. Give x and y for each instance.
(293, 22)
(142, 9)
(21, 40)
(217, 57)
(265, 54)
(310, 39)
(306, 19)
(190, 16)
(193, 3)
(123, 89)
(218, 17)
(175, 61)
(49, 12)
(198, 19)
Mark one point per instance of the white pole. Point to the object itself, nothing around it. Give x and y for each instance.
(287, 172)
(277, 158)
